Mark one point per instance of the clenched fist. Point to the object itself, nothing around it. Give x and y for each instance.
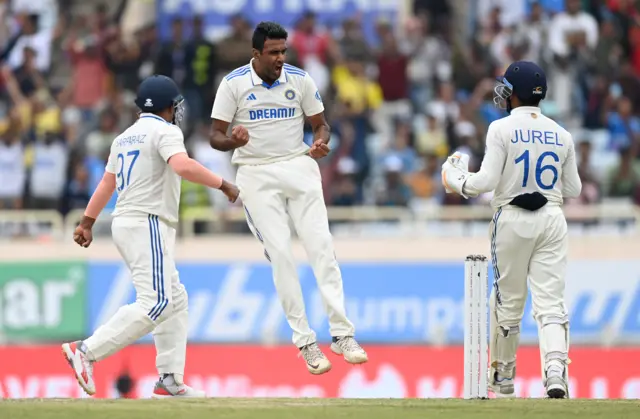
(240, 135)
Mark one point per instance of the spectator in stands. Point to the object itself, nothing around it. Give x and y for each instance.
(429, 60)
(595, 107)
(623, 126)
(27, 75)
(13, 170)
(234, 50)
(590, 185)
(312, 43)
(625, 15)
(315, 50)
(573, 36)
(89, 79)
(122, 59)
(401, 148)
(47, 180)
(396, 192)
(357, 98)
(431, 138)
(99, 141)
(445, 108)
(200, 56)
(217, 161)
(393, 80)
(31, 35)
(426, 183)
(77, 192)
(629, 81)
(147, 38)
(344, 189)
(608, 51)
(21, 106)
(66, 84)
(534, 30)
(171, 59)
(624, 179)
(352, 45)
(5, 24)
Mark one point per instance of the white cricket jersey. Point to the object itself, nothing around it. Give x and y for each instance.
(527, 152)
(274, 115)
(144, 181)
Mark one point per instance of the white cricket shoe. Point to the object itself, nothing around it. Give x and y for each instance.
(502, 387)
(556, 387)
(348, 347)
(166, 388)
(81, 365)
(317, 362)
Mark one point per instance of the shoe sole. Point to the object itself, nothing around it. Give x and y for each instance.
(336, 350)
(499, 395)
(556, 393)
(66, 352)
(320, 371)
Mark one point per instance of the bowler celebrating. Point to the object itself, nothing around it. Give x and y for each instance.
(530, 164)
(145, 166)
(266, 102)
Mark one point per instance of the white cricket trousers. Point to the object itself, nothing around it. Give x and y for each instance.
(529, 246)
(271, 193)
(146, 244)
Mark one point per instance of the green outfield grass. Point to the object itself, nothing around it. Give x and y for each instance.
(317, 408)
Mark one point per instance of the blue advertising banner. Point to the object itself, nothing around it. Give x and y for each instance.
(330, 13)
(388, 303)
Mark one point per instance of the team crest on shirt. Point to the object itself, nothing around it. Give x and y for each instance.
(290, 94)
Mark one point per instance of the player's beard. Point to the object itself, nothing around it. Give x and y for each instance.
(509, 108)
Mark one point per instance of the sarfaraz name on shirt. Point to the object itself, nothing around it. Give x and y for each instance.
(272, 113)
(531, 136)
(133, 139)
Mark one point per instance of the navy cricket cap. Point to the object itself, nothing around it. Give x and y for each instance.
(157, 93)
(525, 80)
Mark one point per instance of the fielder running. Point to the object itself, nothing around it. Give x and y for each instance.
(279, 178)
(145, 166)
(530, 164)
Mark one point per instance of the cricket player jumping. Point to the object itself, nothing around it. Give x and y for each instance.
(279, 178)
(145, 166)
(530, 164)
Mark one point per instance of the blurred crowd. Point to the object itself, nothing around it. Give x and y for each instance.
(398, 105)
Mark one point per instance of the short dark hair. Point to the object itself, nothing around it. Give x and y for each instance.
(267, 30)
